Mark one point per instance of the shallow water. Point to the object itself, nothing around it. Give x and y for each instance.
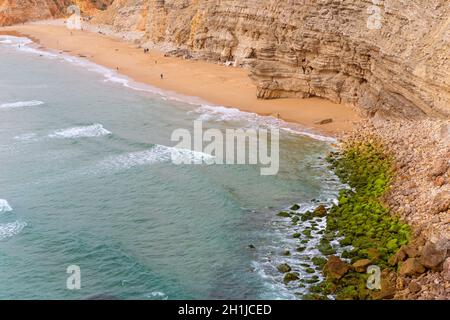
(86, 179)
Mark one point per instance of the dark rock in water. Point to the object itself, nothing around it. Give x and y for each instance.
(284, 268)
(308, 215)
(295, 207)
(300, 249)
(307, 233)
(291, 276)
(251, 246)
(286, 253)
(284, 214)
(346, 242)
(102, 296)
(310, 270)
(320, 211)
(296, 235)
(295, 219)
(335, 268)
(319, 261)
(326, 248)
(313, 280)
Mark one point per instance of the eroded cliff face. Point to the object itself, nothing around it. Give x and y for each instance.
(18, 11)
(388, 57)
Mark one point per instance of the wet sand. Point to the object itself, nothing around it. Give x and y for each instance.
(217, 84)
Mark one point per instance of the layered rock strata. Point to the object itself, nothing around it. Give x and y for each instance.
(19, 11)
(388, 57)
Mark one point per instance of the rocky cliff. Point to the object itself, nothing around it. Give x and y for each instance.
(389, 57)
(18, 11)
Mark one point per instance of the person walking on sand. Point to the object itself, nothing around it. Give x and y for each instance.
(162, 76)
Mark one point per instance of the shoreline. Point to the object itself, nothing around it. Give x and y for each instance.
(395, 217)
(216, 84)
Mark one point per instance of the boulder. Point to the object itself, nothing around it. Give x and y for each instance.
(286, 253)
(411, 267)
(410, 250)
(284, 268)
(361, 265)
(440, 167)
(414, 287)
(291, 276)
(439, 181)
(433, 256)
(320, 211)
(441, 202)
(446, 269)
(398, 257)
(335, 268)
(295, 207)
(284, 214)
(373, 254)
(388, 286)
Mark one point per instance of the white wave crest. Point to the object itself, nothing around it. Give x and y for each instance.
(26, 137)
(250, 119)
(4, 206)
(157, 154)
(94, 130)
(21, 104)
(12, 40)
(8, 230)
(157, 295)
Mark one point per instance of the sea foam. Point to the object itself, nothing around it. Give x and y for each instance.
(4, 206)
(90, 131)
(26, 137)
(254, 120)
(21, 104)
(157, 295)
(11, 229)
(207, 112)
(157, 154)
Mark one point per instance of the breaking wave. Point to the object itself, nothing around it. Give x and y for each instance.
(90, 131)
(4, 206)
(8, 230)
(157, 154)
(21, 104)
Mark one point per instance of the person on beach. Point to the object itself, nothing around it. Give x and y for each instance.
(162, 76)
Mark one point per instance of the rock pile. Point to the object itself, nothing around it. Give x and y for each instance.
(420, 194)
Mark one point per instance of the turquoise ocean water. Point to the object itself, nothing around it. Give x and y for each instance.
(85, 180)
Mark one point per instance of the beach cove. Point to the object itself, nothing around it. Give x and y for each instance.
(217, 84)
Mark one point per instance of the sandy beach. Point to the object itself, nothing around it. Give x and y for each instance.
(217, 84)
